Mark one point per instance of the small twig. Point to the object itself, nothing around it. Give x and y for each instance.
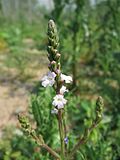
(45, 146)
(51, 151)
(82, 140)
(38, 139)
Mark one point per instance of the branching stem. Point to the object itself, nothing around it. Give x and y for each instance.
(45, 146)
(96, 121)
(82, 140)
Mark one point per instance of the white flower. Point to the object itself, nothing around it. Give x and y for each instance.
(54, 111)
(67, 79)
(63, 90)
(59, 101)
(49, 79)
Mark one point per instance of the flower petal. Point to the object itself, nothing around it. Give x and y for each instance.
(63, 90)
(67, 79)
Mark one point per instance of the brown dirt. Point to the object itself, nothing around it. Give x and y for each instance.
(14, 93)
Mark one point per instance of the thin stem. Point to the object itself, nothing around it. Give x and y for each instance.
(95, 122)
(65, 130)
(82, 140)
(50, 150)
(61, 132)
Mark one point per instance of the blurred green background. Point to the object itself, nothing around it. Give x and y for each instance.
(89, 33)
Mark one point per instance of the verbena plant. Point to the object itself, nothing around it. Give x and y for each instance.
(56, 80)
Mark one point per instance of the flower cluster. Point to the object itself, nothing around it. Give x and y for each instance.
(49, 80)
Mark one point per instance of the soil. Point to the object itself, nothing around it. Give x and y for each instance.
(14, 92)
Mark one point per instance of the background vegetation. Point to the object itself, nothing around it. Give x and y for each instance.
(90, 47)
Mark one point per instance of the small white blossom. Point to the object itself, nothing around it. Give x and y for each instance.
(67, 79)
(49, 79)
(59, 101)
(63, 90)
(54, 111)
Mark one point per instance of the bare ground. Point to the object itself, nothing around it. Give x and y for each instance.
(14, 93)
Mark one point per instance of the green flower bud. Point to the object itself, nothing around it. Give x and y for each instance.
(53, 63)
(99, 109)
(52, 40)
(51, 26)
(57, 57)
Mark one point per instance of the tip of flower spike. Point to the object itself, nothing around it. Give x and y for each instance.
(51, 21)
(51, 24)
(99, 101)
(99, 109)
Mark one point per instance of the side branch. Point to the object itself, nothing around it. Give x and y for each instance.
(37, 138)
(84, 138)
(41, 143)
(51, 151)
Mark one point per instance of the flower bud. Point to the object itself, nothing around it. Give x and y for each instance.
(58, 71)
(99, 109)
(57, 56)
(51, 34)
(58, 65)
(56, 45)
(51, 25)
(55, 51)
(53, 63)
(49, 49)
(99, 104)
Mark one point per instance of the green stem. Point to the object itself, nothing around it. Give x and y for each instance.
(65, 130)
(52, 152)
(61, 131)
(45, 146)
(83, 139)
